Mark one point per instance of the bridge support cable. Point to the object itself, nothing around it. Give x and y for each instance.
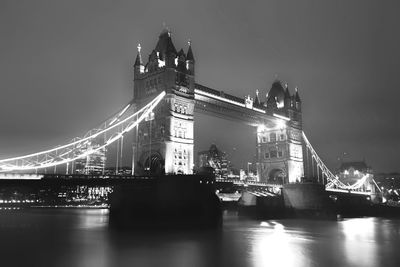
(117, 158)
(94, 140)
(332, 180)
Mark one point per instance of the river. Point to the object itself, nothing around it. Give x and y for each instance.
(81, 237)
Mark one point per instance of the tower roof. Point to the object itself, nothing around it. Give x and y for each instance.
(164, 45)
(276, 93)
(357, 165)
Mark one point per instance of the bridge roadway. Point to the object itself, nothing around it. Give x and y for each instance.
(92, 180)
(113, 180)
(276, 187)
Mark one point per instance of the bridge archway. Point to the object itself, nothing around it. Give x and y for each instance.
(153, 164)
(276, 176)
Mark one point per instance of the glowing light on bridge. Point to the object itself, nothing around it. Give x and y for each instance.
(281, 117)
(261, 128)
(20, 176)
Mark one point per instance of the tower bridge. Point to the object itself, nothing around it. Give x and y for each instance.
(161, 117)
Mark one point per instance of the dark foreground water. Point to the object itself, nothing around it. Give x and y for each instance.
(71, 237)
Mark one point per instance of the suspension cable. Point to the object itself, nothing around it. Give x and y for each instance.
(80, 147)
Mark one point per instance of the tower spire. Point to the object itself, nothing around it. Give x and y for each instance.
(138, 61)
(287, 94)
(257, 99)
(297, 96)
(190, 52)
(138, 66)
(190, 59)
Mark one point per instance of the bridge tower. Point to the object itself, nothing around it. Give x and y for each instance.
(163, 143)
(280, 143)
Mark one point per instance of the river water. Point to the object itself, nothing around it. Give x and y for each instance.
(81, 237)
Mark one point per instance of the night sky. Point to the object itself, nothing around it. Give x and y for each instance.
(67, 65)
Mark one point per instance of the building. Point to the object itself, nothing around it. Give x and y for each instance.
(357, 174)
(216, 159)
(93, 163)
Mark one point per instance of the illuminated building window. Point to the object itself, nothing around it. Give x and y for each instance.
(272, 137)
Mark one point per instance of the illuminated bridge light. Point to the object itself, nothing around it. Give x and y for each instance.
(281, 117)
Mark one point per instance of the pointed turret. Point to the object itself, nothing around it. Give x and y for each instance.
(297, 99)
(190, 52)
(257, 99)
(287, 94)
(181, 61)
(297, 96)
(138, 66)
(138, 61)
(287, 99)
(190, 59)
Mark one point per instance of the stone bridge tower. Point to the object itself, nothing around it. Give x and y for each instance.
(163, 143)
(280, 144)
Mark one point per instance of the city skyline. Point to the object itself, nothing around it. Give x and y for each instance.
(66, 69)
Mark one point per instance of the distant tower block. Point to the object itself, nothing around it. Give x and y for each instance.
(164, 141)
(280, 144)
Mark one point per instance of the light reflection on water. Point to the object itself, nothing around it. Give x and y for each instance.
(272, 243)
(360, 246)
(82, 238)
